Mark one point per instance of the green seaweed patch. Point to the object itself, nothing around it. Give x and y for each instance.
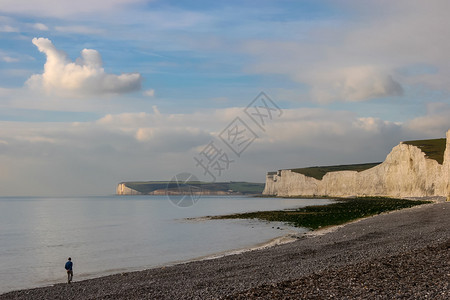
(319, 172)
(339, 212)
(433, 149)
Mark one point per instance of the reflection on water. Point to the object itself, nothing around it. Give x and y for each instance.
(105, 235)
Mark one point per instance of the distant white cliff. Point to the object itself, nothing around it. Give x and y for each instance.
(189, 188)
(406, 172)
(122, 189)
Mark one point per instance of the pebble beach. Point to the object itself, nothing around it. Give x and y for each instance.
(398, 255)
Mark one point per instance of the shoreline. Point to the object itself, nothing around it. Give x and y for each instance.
(115, 260)
(314, 249)
(286, 236)
(289, 237)
(281, 240)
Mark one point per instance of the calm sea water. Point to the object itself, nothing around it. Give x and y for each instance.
(105, 235)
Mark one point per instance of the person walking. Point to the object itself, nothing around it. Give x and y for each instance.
(68, 266)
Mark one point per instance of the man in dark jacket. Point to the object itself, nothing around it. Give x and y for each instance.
(69, 270)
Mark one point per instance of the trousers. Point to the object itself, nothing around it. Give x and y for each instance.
(69, 276)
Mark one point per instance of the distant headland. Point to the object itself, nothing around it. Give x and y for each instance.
(195, 187)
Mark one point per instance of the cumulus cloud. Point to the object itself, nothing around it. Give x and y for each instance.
(335, 78)
(85, 76)
(355, 84)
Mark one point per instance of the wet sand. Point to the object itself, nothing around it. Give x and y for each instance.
(402, 254)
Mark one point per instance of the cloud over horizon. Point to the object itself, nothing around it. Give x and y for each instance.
(85, 76)
(96, 155)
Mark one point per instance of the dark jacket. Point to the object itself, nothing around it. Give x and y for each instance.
(69, 265)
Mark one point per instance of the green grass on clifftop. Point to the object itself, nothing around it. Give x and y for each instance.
(433, 149)
(340, 212)
(319, 172)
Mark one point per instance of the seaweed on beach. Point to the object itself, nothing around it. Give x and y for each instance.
(340, 212)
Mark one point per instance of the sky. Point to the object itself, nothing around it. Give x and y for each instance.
(93, 93)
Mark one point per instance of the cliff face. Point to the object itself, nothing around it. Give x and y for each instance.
(406, 172)
(446, 167)
(122, 189)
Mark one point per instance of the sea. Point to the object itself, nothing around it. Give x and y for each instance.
(114, 234)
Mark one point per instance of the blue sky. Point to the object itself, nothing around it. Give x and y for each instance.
(96, 92)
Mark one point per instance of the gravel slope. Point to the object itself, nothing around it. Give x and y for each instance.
(419, 274)
(392, 253)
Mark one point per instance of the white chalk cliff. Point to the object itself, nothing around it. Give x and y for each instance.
(122, 189)
(406, 172)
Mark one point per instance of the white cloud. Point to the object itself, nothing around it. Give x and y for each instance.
(85, 76)
(40, 26)
(332, 79)
(354, 84)
(9, 59)
(149, 93)
(8, 28)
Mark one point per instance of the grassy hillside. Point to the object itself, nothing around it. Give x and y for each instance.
(433, 149)
(319, 172)
(146, 187)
